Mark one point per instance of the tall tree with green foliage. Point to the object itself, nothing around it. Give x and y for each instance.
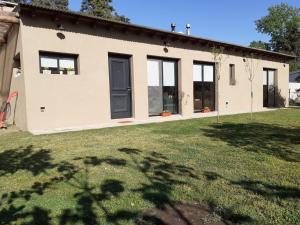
(260, 45)
(56, 4)
(282, 24)
(102, 8)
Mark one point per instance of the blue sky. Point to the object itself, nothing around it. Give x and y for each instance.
(224, 20)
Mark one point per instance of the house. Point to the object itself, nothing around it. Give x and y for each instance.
(294, 86)
(75, 71)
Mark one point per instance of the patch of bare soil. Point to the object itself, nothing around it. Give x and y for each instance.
(181, 214)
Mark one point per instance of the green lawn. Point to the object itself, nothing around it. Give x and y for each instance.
(248, 172)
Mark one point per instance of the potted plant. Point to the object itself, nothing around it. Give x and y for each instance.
(165, 113)
(46, 71)
(70, 71)
(206, 109)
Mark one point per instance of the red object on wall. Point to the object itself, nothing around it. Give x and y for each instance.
(8, 101)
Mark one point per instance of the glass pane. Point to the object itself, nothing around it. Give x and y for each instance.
(65, 63)
(169, 87)
(162, 87)
(153, 73)
(48, 62)
(271, 96)
(197, 73)
(264, 77)
(271, 77)
(208, 73)
(204, 89)
(170, 99)
(197, 96)
(208, 95)
(169, 74)
(155, 90)
(269, 88)
(265, 98)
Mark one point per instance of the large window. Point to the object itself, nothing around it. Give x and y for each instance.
(56, 63)
(269, 87)
(204, 86)
(162, 86)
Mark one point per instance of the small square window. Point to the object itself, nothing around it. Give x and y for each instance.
(232, 80)
(57, 63)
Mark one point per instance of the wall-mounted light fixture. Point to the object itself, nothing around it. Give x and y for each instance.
(18, 73)
(166, 45)
(60, 35)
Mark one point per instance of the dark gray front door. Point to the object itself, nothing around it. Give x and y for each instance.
(120, 87)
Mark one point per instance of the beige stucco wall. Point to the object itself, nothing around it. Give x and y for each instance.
(84, 100)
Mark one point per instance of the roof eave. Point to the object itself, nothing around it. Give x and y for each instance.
(151, 31)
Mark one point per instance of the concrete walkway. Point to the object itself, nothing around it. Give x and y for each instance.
(132, 121)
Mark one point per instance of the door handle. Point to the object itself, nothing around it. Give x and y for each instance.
(128, 89)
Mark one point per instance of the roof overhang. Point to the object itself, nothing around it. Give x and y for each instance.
(57, 14)
(7, 20)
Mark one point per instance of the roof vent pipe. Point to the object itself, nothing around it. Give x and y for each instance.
(173, 27)
(188, 29)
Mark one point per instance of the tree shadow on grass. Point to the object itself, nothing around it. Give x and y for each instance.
(34, 161)
(95, 161)
(13, 205)
(11, 210)
(264, 189)
(269, 139)
(37, 216)
(270, 192)
(27, 159)
(162, 178)
(90, 198)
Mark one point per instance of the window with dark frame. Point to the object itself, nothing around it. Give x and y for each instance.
(269, 87)
(58, 63)
(232, 80)
(204, 86)
(162, 85)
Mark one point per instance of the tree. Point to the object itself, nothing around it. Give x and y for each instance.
(251, 66)
(218, 58)
(282, 24)
(260, 45)
(56, 4)
(102, 8)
